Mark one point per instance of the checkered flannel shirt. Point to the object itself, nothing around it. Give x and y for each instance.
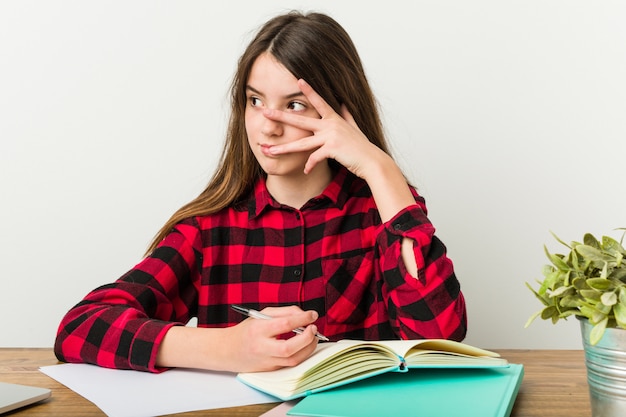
(333, 255)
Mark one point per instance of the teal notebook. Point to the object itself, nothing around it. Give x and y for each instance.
(425, 393)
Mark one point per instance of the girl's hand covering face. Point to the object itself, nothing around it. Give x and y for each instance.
(335, 136)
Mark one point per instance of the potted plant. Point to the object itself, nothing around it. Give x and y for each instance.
(589, 282)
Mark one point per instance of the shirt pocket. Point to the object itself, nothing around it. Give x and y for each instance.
(349, 289)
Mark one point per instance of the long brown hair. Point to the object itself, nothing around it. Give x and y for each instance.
(313, 47)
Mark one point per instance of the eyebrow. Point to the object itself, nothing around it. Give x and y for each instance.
(288, 96)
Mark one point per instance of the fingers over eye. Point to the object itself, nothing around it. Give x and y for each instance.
(301, 122)
(323, 108)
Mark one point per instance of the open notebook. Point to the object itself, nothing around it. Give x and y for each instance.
(13, 396)
(339, 363)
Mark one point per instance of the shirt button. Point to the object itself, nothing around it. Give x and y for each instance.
(397, 226)
(297, 216)
(297, 272)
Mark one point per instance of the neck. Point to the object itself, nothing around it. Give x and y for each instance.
(296, 190)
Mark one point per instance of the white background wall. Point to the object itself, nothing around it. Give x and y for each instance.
(510, 116)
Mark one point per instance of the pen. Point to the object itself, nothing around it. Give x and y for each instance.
(258, 315)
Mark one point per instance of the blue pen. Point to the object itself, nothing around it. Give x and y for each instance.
(258, 315)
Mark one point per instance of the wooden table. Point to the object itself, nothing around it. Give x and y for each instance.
(554, 385)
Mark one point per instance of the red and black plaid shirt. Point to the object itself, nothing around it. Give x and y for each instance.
(333, 256)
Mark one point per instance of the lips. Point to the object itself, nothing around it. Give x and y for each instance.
(265, 149)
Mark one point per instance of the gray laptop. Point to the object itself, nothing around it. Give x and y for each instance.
(14, 396)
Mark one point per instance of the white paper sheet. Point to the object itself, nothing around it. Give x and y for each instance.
(121, 393)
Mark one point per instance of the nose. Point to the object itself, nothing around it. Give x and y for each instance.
(271, 128)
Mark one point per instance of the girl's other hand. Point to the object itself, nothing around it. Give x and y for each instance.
(335, 136)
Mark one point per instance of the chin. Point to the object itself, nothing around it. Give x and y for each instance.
(281, 168)
(282, 172)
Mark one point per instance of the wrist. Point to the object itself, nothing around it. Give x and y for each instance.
(389, 187)
(192, 347)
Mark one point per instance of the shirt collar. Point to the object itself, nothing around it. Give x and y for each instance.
(336, 193)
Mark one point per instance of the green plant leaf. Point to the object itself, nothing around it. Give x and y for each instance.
(559, 240)
(605, 271)
(610, 245)
(609, 298)
(556, 260)
(587, 311)
(619, 310)
(570, 301)
(544, 299)
(598, 331)
(551, 281)
(569, 312)
(598, 316)
(576, 263)
(600, 284)
(618, 274)
(549, 312)
(565, 278)
(560, 291)
(532, 318)
(590, 240)
(603, 309)
(591, 253)
(593, 295)
(580, 283)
